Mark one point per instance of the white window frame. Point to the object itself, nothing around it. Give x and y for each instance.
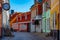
(20, 18)
(25, 16)
(54, 21)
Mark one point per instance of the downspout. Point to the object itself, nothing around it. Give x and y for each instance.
(45, 17)
(58, 22)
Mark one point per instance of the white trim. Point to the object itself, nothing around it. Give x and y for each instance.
(25, 22)
(0, 5)
(54, 17)
(25, 16)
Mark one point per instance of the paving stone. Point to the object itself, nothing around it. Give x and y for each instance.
(24, 36)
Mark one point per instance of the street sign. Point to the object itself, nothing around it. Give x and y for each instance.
(6, 6)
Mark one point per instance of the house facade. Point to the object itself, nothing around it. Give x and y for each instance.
(21, 21)
(36, 15)
(46, 16)
(55, 16)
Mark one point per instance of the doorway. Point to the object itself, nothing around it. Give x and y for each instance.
(28, 27)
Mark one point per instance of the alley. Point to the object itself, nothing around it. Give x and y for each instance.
(29, 19)
(23, 36)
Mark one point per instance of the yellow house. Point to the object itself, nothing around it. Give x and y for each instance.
(54, 15)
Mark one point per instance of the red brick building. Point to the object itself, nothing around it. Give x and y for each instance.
(20, 21)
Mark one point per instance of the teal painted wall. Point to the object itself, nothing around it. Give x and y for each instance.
(46, 21)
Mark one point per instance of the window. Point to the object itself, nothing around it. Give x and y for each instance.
(25, 16)
(0, 5)
(0, 8)
(20, 18)
(54, 20)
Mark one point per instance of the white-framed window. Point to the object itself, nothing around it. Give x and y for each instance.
(17, 17)
(25, 16)
(20, 18)
(0, 5)
(54, 21)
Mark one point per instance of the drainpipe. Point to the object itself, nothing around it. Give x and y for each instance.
(45, 16)
(58, 22)
(58, 27)
(17, 22)
(45, 24)
(58, 31)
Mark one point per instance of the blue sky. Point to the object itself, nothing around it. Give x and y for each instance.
(21, 5)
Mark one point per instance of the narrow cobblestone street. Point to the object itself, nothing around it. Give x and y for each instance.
(25, 36)
(29, 19)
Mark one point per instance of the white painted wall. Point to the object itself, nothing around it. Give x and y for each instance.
(4, 18)
(23, 26)
(15, 26)
(6, 1)
(33, 14)
(5, 15)
(32, 28)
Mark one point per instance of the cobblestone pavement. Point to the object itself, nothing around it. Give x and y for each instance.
(24, 36)
(43, 35)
